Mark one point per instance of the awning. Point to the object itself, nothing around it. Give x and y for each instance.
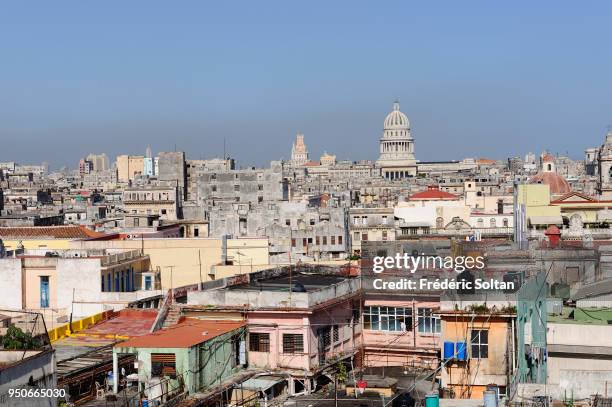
(546, 220)
(261, 383)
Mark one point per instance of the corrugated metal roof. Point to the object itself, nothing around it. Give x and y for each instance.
(186, 334)
(261, 383)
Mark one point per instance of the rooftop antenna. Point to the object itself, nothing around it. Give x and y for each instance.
(224, 156)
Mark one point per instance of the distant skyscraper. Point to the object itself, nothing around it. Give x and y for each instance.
(396, 159)
(149, 167)
(85, 167)
(99, 162)
(299, 152)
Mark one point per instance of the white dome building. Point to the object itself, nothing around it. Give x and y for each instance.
(396, 160)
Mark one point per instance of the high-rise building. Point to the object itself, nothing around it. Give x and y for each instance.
(85, 167)
(99, 162)
(149, 168)
(396, 160)
(128, 166)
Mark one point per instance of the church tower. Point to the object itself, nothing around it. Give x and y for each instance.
(299, 152)
(604, 184)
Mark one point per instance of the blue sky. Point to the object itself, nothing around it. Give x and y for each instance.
(476, 79)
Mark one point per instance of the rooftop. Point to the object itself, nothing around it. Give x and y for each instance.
(47, 232)
(128, 323)
(432, 193)
(583, 316)
(186, 334)
(301, 282)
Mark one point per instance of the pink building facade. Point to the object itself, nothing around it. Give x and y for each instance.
(400, 332)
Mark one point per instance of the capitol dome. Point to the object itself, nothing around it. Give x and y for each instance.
(396, 120)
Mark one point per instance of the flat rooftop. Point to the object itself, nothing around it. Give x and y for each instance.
(129, 323)
(309, 282)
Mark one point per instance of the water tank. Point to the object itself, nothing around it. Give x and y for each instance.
(449, 350)
(432, 400)
(490, 398)
(461, 351)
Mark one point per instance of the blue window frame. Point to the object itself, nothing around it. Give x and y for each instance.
(44, 291)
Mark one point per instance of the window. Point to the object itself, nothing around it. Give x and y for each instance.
(339, 239)
(505, 222)
(428, 323)
(324, 240)
(356, 236)
(324, 335)
(384, 235)
(214, 188)
(236, 188)
(312, 222)
(44, 291)
(288, 222)
(335, 333)
(259, 342)
(364, 237)
(293, 343)
(333, 240)
(260, 187)
(480, 343)
(148, 283)
(163, 212)
(394, 319)
(196, 232)
(292, 242)
(384, 220)
(163, 364)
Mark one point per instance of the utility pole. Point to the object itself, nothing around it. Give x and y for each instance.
(290, 265)
(171, 282)
(200, 265)
(336, 388)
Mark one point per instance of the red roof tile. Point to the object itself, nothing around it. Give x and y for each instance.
(432, 193)
(48, 232)
(186, 334)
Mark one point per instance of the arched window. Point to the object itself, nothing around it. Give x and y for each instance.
(480, 222)
(439, 222)
(505, 222)
(549, 167)
(493, 222)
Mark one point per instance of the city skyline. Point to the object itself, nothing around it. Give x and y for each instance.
(201, 74)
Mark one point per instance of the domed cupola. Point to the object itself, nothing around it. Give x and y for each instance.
(396, 159)
(396, 120)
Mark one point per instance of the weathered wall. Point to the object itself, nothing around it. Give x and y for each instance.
(11, 286)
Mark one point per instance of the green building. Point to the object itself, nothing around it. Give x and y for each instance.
(184, 359)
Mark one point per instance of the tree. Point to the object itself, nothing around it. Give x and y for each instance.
(15, 338)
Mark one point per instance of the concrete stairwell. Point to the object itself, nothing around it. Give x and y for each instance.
(173, 316)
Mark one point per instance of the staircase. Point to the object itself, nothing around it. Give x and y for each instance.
(173, 316)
